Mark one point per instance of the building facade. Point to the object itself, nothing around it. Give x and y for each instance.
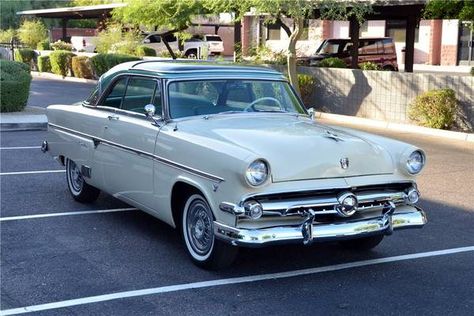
(437, 42)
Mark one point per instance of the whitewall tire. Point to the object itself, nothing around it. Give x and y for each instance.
(80, 190)
(197, 228)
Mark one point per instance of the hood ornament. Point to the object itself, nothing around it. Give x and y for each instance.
(344, 163)
(333, 136)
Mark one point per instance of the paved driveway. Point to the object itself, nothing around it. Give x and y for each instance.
(124, 262)
(44, 92)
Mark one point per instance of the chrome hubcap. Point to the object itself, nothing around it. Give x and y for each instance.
(199, 227)
(75, 176)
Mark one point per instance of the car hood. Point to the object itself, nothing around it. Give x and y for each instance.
(296, 148)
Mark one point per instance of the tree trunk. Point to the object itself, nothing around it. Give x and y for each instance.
(291, 60)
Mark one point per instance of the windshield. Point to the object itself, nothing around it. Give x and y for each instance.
(190, 98)
(333, 47)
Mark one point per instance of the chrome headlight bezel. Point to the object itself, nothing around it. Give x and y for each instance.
(258, 166)
(415, 162)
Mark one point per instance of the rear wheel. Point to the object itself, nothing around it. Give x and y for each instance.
(198, 233)
(80, 190)
(388, 68)
(364, 243)
(191, 54)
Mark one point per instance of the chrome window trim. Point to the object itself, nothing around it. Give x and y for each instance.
(159, 82)
(170, 81)
(170, 163)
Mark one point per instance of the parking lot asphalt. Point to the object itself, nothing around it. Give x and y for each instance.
(44, 90)
(126, 262)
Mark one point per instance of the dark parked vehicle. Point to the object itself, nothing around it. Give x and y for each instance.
(380, 51)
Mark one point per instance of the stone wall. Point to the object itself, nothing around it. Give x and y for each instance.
(384, 95)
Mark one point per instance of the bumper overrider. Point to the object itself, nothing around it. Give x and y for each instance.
(371, 214)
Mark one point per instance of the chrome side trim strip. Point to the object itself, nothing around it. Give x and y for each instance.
(162, 160)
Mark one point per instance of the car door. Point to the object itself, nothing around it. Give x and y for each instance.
(129, 140)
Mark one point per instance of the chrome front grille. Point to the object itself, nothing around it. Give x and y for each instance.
(324, 202)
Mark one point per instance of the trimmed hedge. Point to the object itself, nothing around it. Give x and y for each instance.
(81, 67)
(101, 63)
(306, 84)
(61, 62)
(15, 80)
(25, 55)
(145, 51)
(332, 62)
(44, 65)
(44, 45)
(60, 45)
(435, 108)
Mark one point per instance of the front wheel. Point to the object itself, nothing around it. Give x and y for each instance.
(198, 233)
(362, 244)
(80, 190)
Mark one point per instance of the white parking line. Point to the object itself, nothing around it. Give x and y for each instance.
(229, 281)
(24, 147)
(22, 217)
(30, 172)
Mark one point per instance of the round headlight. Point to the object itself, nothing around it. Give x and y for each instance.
(415, 162)
(256, 173)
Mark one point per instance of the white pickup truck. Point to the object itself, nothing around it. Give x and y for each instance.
(206, 44)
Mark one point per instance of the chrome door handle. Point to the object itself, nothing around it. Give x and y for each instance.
(113, 117)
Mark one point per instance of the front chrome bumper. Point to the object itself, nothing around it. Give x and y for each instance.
(401, 218)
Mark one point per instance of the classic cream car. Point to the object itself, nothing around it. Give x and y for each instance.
(229, 155)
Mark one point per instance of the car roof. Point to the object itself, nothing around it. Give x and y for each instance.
(187, 69)
(360, 38)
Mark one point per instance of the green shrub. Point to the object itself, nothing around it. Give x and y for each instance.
(7, 35)
(435, 108)
(113, 40)
(81, 67)
(43, 45)
(25, 55)
(60, 45)
(44, 65)
(472, 71)
(31, 33)
(306, 84)
(15, 82)
(145, 51)
(101, 63)
(264, 55)
(368, 65)
(332, 62)
(61, 62)
(166, 54)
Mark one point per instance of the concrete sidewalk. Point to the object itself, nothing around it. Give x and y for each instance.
(31, 118)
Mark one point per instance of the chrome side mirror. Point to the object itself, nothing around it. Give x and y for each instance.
(149, 110)
(312, 113)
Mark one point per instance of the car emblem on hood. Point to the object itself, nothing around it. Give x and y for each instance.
(333, 136)
(344, 163)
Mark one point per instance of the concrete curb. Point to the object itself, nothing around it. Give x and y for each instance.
(468, 137)
(48, 75)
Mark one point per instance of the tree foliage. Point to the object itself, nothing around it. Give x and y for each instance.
(177, 15)
(32, 32)
(164, 15)
(454, 9)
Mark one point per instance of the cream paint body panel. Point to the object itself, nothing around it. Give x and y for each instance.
(215, 146)
(129, 175)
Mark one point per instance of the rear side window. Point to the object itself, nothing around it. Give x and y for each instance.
(389, 47)
(139, 93)
(213, 39)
